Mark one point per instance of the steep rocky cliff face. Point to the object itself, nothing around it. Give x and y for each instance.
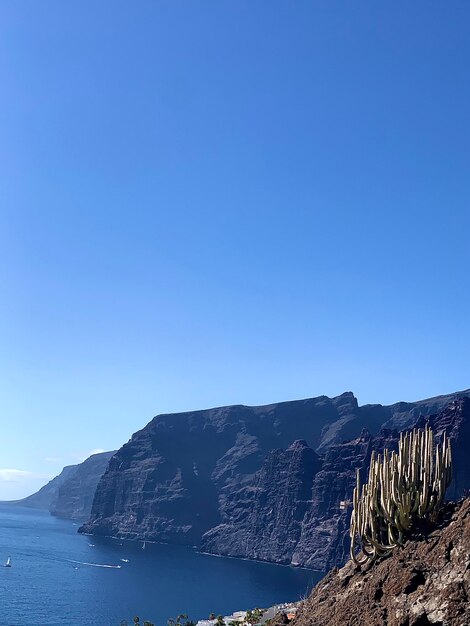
(44, 498)
(455, 420)
(75, 495)
(324, 541)
(426, 582)
(172, 481)
(259, 482)
(263, 519)
(70, 494)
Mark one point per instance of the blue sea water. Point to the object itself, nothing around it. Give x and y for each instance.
(58, 578)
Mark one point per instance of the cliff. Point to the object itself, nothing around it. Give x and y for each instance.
(425, 582)
(259, 482)
(173, 480)
(324, 541)
(44, 498)
(75, 495)
(70, 494)
(263, 520)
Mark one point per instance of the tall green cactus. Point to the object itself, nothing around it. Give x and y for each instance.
(401, 488)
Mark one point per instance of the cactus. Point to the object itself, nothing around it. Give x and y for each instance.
(401, 488)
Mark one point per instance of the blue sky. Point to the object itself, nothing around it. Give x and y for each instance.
(207, 203)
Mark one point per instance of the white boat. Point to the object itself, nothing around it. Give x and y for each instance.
(125, 560)
(143, 546)
(8, 562)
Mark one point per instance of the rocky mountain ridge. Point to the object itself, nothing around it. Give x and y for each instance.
(259, 482)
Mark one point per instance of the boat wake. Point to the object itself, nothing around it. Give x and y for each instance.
(94, 564)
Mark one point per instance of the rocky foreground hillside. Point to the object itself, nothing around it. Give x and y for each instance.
(261, 482)
(426, 582)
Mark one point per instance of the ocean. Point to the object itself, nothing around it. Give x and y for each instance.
(59, 577)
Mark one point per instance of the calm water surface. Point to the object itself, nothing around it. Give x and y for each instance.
(58, 578)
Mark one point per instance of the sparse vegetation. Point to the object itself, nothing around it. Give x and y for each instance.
(179, 620)
(254, 616)
(402, 488)
(136, 621)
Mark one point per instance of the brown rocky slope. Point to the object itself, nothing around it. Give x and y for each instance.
(425, 582)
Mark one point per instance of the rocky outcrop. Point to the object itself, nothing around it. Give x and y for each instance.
(425, 582)
(258, 482)
(455, 420)
(263, 519)
(70, 494)
(324, 539)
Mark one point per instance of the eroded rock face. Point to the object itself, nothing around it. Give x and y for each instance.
(174, 480)
(425, 582)
(455, 420)
(318, 529)
(259, 482)
(263, 519)
(70, 494)
(75, 495)
(47, 495)
(324, 540)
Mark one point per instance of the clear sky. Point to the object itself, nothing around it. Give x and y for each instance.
(208, 203)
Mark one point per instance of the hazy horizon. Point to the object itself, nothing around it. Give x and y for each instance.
(208, 204)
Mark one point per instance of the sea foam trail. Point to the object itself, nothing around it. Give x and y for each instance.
(94, 564)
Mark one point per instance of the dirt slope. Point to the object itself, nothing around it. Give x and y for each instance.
(425, 582)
